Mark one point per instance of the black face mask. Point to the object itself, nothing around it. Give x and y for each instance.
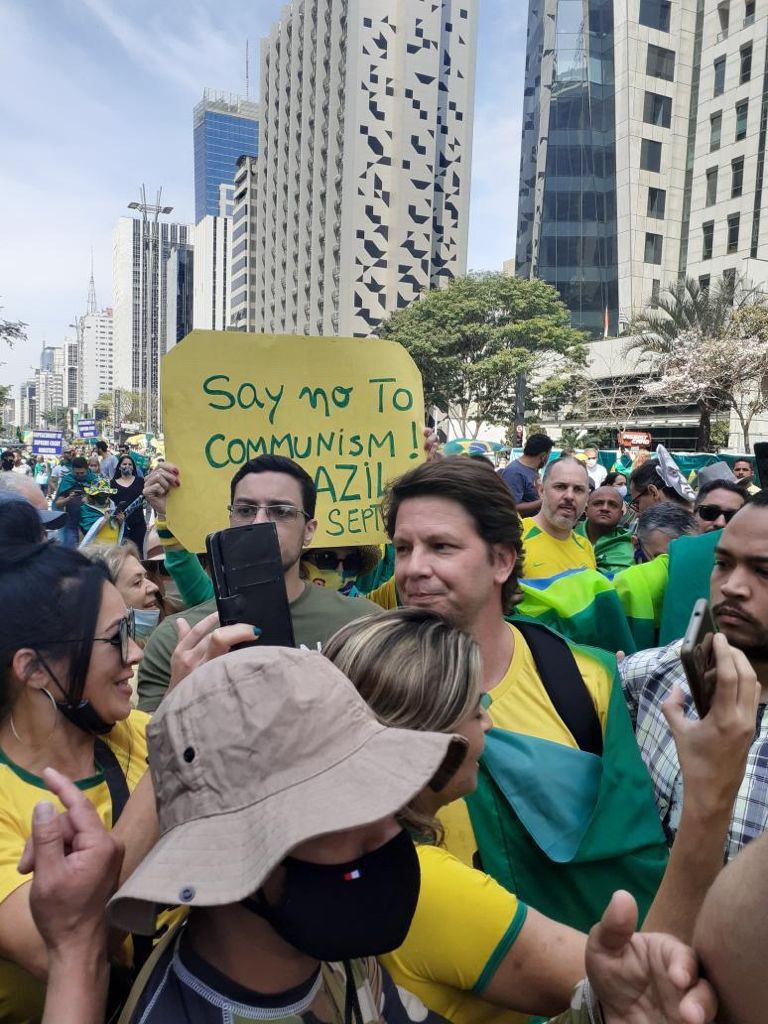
(337, 912)
(82, 713)
(84, 717)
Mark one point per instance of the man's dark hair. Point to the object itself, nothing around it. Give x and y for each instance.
(747, 461)
(79, 462)
(647, 474)
(481, 493)
(101, 446)
(758, 500)
(719, 485)
(279, 464)
(538, 444)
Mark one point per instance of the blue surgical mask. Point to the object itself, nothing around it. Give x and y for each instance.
(622, 489)
(145, 621)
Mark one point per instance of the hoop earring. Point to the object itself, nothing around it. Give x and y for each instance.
(52, 699)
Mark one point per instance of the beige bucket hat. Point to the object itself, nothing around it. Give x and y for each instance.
(255, 753)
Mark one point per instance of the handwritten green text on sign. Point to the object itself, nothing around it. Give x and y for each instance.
(349, 411)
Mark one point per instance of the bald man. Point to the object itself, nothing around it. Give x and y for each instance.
(732, 936)
(613, 546)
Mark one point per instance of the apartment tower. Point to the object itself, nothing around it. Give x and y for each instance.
(362, 195)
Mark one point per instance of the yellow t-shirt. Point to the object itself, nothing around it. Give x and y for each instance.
(464, 926)
(21, 995)
(547, 556)
(519, 703)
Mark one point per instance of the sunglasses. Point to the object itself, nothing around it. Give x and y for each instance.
(710, 513)
(328, 561)
(126, 631)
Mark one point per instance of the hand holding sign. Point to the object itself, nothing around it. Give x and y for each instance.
(349, 411)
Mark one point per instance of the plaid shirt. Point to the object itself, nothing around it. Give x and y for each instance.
(648, 679)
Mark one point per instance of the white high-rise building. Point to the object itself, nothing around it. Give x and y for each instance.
(364, 161)
(141, 330)
(28, 407)
(212, 243)
(96, 357)
(71, 374)
(243, 287)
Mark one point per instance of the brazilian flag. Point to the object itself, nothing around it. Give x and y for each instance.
(564, 828)
(581, 605)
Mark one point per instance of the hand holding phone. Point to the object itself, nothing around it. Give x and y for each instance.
(247, 573)
(697, 656)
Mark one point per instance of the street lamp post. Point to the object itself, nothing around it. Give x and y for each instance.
(148, 351)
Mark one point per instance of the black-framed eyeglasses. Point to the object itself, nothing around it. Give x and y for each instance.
(711, 513)
(126, 631)
(246, 511)
(351, 564)
(634, 504)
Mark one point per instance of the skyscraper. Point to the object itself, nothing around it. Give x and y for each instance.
(225, 128)
(362, 197)
(642, 150)
(96, 356)
(142, 335)
(212, 240)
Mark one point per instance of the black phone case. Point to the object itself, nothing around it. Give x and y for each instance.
(248, 580)
(761, 463)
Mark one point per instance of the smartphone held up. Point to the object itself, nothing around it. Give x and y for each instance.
(698, 657)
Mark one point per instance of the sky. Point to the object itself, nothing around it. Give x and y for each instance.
(96, 98)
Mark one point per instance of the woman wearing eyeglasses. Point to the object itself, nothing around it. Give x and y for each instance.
(67, 655)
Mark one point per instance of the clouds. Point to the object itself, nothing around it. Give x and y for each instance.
(96, 97)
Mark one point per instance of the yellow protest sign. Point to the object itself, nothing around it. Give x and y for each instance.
(350, 411)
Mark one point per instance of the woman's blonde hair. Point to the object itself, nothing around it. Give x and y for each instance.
(113, 556)
(415, 671)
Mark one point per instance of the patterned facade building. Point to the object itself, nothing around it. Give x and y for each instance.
(362, 199)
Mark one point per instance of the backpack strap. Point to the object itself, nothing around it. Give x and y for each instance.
(114, 778)
(564, 684)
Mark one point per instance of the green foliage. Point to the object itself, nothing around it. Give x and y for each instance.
(720, 433)
(713, 313)
(477, 339)
(12, 331)
(56, 417)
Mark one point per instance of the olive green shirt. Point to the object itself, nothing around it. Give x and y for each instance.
(317, 614)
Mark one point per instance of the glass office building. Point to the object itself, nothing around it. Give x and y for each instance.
(567, 233)
(225, 128)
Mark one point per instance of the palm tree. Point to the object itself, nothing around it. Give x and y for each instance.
(691, 306)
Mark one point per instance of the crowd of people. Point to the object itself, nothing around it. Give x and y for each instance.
(478, 790)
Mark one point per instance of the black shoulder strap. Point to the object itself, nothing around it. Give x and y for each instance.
(564, 684)
(114, 778)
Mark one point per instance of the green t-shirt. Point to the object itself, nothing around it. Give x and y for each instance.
(614, 551)
(317, 614)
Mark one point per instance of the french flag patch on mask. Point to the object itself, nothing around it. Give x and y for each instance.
(351, 876)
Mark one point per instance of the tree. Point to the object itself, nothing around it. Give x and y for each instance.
(11, 331)
(481, 340)
(707, 312)
(717, 372)
(56, 417)
(121, 404)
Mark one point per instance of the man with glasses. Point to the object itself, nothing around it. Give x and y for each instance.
(270, 488)
(717, 502)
